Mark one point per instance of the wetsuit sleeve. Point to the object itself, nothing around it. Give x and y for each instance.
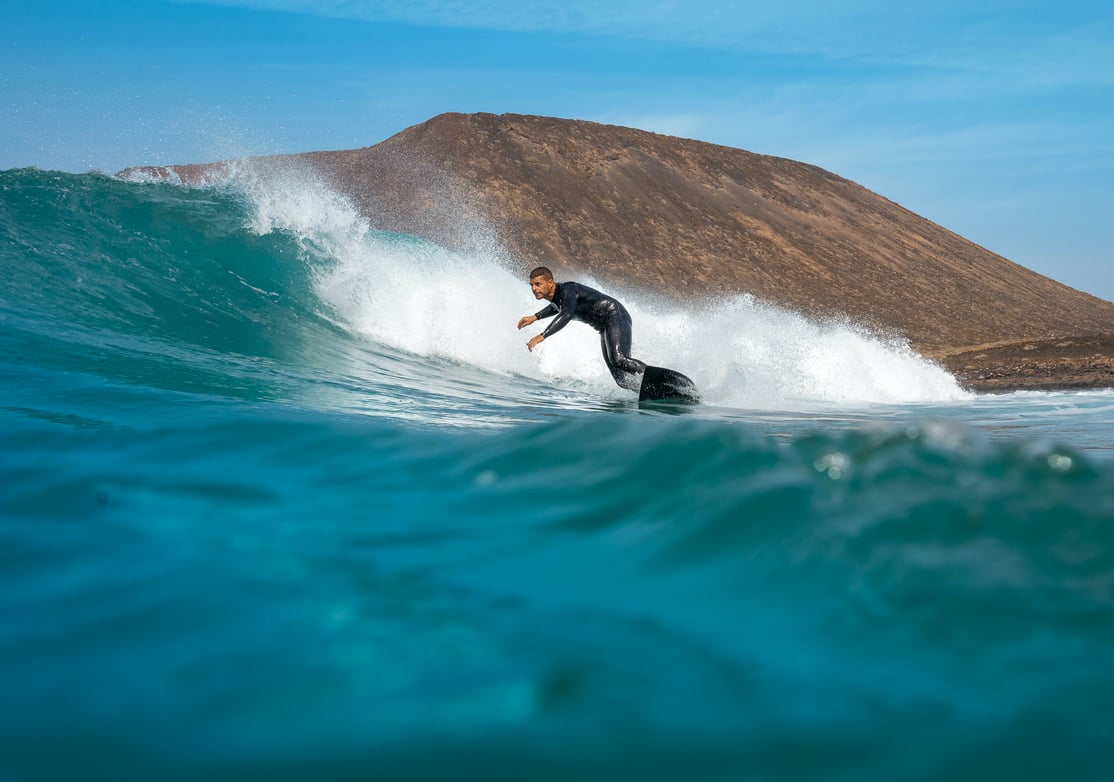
(546, 312)
(564, 315)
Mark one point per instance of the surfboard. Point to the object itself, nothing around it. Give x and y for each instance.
(667, 385)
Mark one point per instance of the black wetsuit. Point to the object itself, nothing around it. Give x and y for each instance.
(573, 301)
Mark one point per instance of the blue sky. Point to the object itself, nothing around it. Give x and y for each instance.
(994, 119)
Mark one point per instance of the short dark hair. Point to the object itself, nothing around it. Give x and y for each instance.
(541, 271)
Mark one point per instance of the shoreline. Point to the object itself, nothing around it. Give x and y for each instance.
(1060, 364)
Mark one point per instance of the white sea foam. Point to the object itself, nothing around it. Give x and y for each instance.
(746, 353)
(430, 301)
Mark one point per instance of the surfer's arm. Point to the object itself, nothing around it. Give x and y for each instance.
(547, 312)
(564, 315)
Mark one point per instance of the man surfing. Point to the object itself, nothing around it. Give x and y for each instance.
(573, 301)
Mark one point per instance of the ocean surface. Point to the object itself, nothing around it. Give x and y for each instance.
(284, 496)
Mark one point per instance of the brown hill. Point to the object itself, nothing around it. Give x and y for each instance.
(695, 218)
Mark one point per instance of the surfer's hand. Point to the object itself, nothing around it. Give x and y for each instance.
(526, 321)
(534, 342)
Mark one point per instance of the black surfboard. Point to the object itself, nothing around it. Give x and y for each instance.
(661, 384)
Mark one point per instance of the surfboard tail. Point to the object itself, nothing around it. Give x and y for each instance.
(661, 384)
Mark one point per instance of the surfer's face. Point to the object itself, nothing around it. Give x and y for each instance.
(542, 288)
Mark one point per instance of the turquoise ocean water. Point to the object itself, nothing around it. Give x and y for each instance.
(283, 496)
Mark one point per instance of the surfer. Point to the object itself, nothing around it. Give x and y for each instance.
(573, 301)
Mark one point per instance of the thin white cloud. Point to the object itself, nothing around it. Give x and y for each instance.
(1012, 38)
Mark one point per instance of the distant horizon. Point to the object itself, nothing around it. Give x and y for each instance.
(993, 119)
